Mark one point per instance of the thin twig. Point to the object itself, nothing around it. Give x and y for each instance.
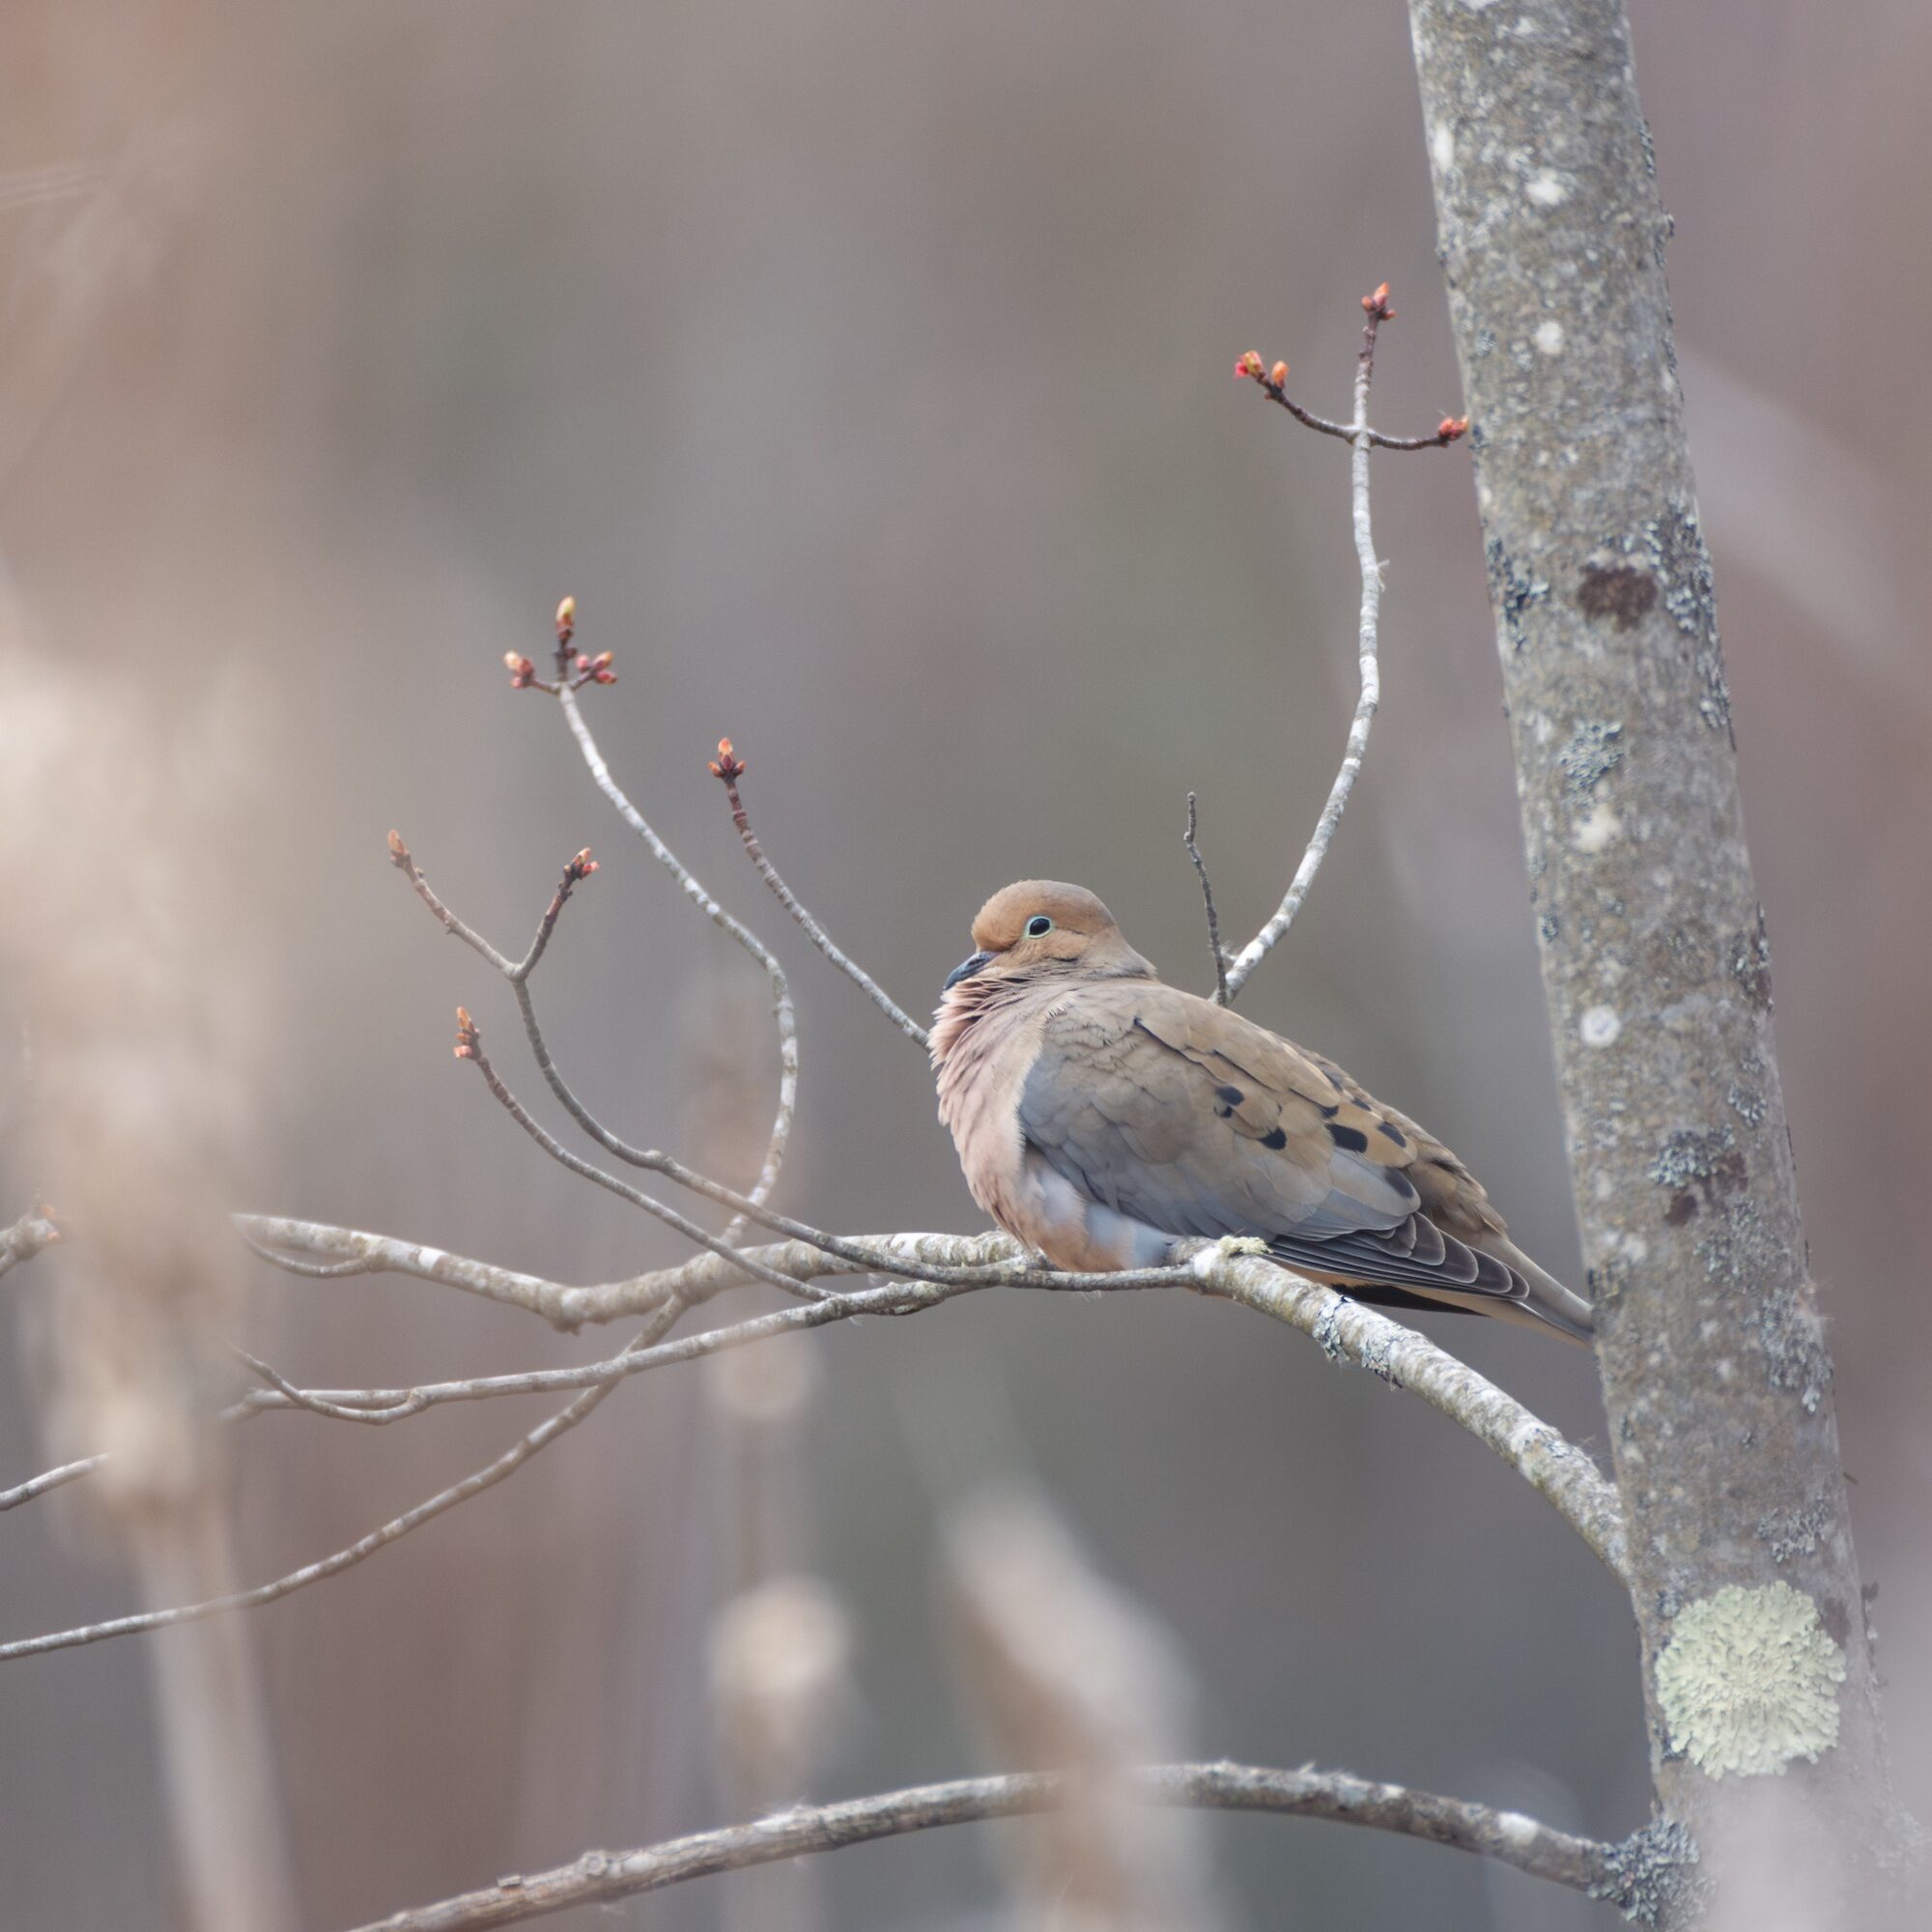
(728, 767)
(518, 973)
(404, 1402)
(54, 1478)
(1450, 432)
(895, 1297)
(1583, 1864)
(693, 890)
(1360, 437)
(492, 1473)
(469, 1046)
(1207, 900)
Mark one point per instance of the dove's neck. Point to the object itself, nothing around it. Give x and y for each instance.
(968, 1005)
(978, 1006)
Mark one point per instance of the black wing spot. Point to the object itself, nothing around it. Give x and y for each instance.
(1232, 1096)
(1275, 1140)
(1352, 1139)
(1392, 1132)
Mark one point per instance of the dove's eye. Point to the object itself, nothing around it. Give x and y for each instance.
(1038, 925)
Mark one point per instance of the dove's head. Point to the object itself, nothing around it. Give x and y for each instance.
(1040, 929)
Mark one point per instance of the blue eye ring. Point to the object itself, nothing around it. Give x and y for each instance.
(1039, 927)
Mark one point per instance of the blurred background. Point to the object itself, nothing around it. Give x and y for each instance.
(864, 372)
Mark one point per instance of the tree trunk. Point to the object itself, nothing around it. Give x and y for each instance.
(1757, 1669)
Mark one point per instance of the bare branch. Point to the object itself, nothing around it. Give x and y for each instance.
(469, 1046)
(34, 1230)
(1560, 1472)
(326, 1253)
(1583, 1864)
(728, 767)
(693, 890)
(1360, 437)
(488, 1477)
(1208, 901)
(1347, 1330)
(405, 863)
(518, 973)
(54, 1478)
(407, 1402)
(895, 1297)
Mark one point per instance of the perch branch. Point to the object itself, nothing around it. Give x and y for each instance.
(729, 768)
(748, 1206)
(1583, 1864)
(1346, 1331)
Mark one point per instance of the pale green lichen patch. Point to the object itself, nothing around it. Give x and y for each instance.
(1749, 1681)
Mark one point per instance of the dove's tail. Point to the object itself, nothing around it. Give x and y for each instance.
(1548, 1301)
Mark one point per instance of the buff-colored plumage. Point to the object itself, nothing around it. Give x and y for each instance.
(1100, 1116)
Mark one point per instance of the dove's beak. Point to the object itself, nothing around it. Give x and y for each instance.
(965, 970)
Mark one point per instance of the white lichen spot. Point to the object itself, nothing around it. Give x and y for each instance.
(1749, 1682)
(428, 1257)
(1514, 1828)
(1602, 1187)
(1550, 337)
(1442, 147)
(1600, 1026)
(1547, 189)
(1596, 830)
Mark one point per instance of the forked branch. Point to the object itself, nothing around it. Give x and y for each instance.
(1361, 438)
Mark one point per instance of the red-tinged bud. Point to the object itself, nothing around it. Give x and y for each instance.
(728, 766)
(581, 867)
(468, 1038)
(566, 617)
(604, 677)
(601, 662)
(1249, 368)
(523, 672)
(398, 851)
(1376, 305)
(582, 662)
(1451, 427)
(1278, 375)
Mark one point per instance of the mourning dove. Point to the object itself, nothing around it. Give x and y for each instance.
(1100, 1116)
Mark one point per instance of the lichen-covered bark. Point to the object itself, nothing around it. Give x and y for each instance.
(1655, 959)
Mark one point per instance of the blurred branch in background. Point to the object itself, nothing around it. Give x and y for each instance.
(599, 1878)
(1061, 1672)
(143, 995)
